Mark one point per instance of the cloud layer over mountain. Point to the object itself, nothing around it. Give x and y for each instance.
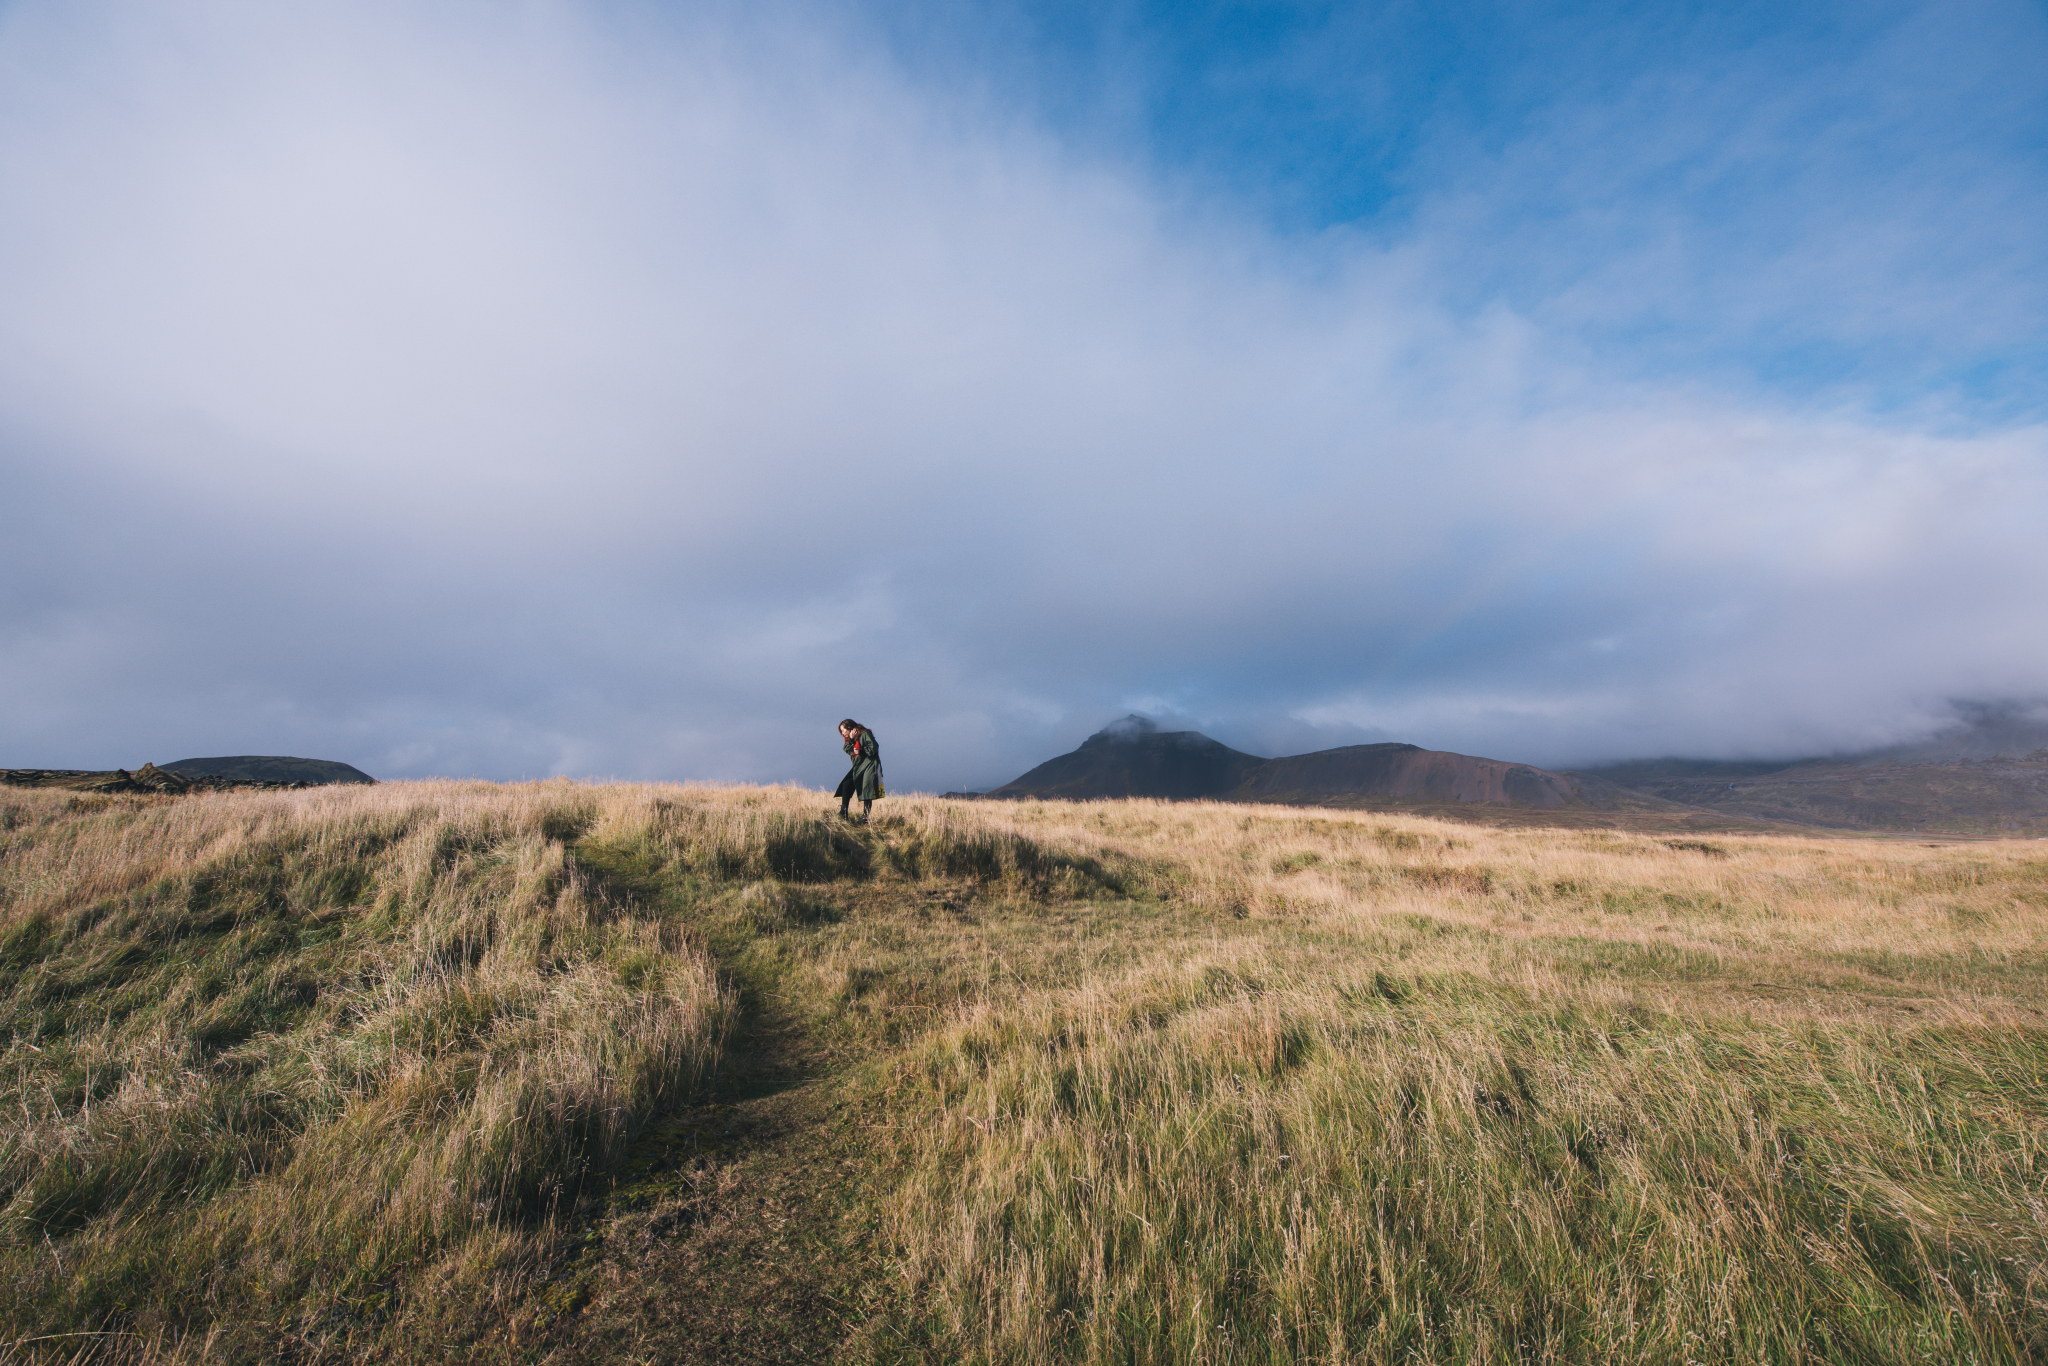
(516, 389)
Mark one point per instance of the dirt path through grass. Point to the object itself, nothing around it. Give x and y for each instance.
(740, 1231)
(738, 1238)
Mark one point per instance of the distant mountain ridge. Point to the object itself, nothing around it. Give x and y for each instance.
(1982, 797)
(1408, 771)
(1982, 731)
(1134, 758)
(1985, 776)
(1966, 781)
(271, 768)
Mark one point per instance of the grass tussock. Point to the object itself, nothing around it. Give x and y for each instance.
(316, 1063)
(1328, 1090)
(1151, 1082)
(1213, 1162)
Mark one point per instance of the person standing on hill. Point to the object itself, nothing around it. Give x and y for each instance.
(864, 779)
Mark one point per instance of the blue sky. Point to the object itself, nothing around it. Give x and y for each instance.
(635, 389)
(1646, 174)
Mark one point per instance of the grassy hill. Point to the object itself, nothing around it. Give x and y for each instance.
(550, 1072)
(271, 768)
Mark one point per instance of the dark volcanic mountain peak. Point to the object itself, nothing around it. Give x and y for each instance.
(1132, 727)
(1134, 758)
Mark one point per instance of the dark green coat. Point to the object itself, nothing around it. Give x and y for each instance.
(866, 774)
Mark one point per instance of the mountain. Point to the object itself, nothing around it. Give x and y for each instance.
(1134, 758)
(1656, 774)
(1406, 772)
(271, 768)
(1994, 796)
(1985, 775)
(1982, 730)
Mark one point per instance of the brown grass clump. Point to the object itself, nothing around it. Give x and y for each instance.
(1438, 1094)
(287, 1068)
(1149, 1082)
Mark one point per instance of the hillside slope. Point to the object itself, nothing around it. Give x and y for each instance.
(1405, 772)
(560, 1074)
(1986, 775)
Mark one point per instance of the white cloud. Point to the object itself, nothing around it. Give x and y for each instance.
(495, 392)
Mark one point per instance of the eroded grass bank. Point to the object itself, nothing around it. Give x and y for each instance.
(1148, 1082)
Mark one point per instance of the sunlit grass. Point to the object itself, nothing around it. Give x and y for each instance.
(1155, 1082)
(320, 1061)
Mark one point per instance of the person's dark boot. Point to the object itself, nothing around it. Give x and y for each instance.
(865, 809)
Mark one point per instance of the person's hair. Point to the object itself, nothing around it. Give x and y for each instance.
(850, 724)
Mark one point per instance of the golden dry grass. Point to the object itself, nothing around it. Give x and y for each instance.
(1156, 1082)
(317, 1061)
